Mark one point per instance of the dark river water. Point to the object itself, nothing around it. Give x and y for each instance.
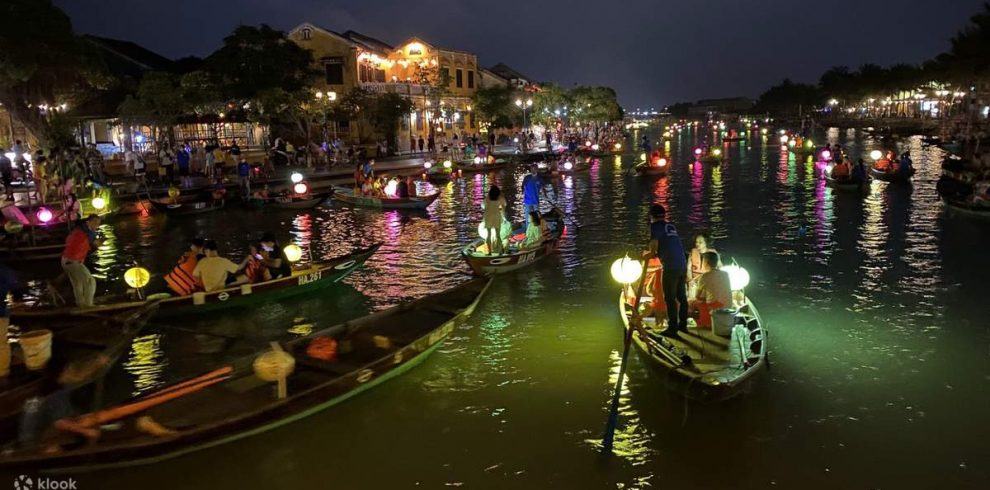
(876, 305)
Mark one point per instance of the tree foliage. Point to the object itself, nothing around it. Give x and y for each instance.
(493, 106)
(43, 62)
(595, 104)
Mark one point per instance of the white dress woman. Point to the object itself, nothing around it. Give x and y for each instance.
(494, 214)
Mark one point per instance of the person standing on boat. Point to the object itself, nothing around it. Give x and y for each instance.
(905, 165)
(859, 171)
(410, 186)
(494, 215)
(80, 242)
(244, 176)
(665, 243)
(532, 188)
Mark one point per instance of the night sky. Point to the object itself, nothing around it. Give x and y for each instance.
(653, 52)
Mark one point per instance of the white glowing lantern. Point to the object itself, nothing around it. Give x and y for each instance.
(568, 165)
(792, 143)
(300, 188)
(292, 252)
(515, 140)
(595, 147)
(99, 203)
(717, 152)
(296, 177)
(618, 146)
(391, 187)
(697, 152)
(662, 162)
(826, 155)
(447, 164)
(477, 160)
(876, 154)
(626, 270)
(428, 165)
(764, 131)
(587, 143)
(738, 277)
(783, 139)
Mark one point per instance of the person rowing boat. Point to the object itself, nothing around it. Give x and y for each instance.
(81, 241)
(665, 243)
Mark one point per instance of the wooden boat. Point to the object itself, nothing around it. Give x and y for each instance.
(305, 279)
(346, 195)
(232, 403)
(74, 339)
(18, 247)
(652, 170)
(701, 365)
(846, 185)
(892, 176)
(963, 208)
(484, 264)
(468, 166)
(288, 202)
(187, 205)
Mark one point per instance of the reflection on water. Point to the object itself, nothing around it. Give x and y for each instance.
(146, 363)
(875, 307)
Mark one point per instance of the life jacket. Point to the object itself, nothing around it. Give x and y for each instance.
(253, 270)
(181, 279)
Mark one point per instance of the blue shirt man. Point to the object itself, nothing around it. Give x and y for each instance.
(182, 158)
(531, 192)
(647, 147)
(906, 164)
(665, 242)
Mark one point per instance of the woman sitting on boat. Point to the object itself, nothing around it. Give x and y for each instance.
(702, 245)
(494, 214)
(273, 257)
(253, 267)
(714, 290)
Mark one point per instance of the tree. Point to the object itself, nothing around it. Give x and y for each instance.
(595, 105)
(158, 102)
(493, 106)
(969, 56)
(550, 104)
(43, 63)
(788, 97)
(385, 113)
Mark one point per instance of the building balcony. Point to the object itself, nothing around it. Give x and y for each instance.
(401, 88)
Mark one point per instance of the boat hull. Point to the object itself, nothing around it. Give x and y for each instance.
(347, 196)
(484, 265)
(269, 413)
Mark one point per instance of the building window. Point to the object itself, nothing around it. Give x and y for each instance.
(470, 78)
(307, 34)
(445, 73)
(334, 69)
(460, 78)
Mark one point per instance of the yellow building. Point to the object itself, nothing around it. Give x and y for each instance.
(349, 60)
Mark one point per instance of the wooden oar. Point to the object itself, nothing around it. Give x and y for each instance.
(94, 419)
(613, 414)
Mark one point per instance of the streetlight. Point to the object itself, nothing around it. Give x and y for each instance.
(524, 105)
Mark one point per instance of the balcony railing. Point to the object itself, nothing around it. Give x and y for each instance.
(401, 88)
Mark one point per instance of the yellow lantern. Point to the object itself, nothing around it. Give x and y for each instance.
(173, 191)
(626, 270)
(99, 203)
(13, 227)
(292, 252)
(137, 277)
(447, 164)
(876, 154)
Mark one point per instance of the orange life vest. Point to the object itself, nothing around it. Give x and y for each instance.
(253, 270)
(181, 279)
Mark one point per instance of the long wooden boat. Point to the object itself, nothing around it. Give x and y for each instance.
(289, 202)
(468, 166)
(47, 246)
(483, 264)
(964, 208)
(303, 280)
(846, 185)
(232, 403)
(891, 176)
(187, 205)
(346, 195)
(699, 364)
(73, 339)
(653, 170)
